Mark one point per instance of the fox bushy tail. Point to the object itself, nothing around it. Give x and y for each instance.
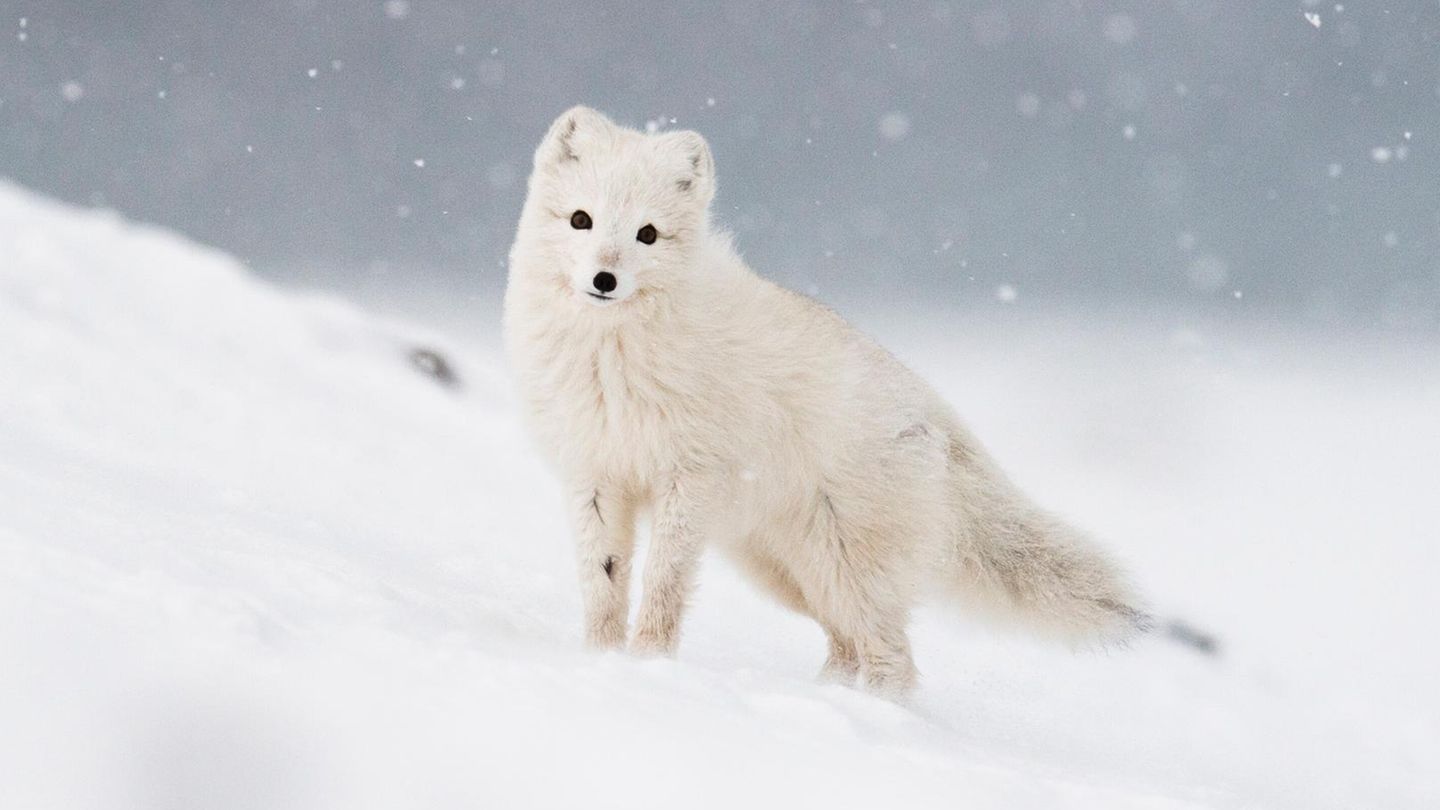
(1018, 563)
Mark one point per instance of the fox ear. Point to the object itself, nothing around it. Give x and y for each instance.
(566, 138)
(698, 173)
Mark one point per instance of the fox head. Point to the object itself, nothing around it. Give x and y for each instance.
(613, 215)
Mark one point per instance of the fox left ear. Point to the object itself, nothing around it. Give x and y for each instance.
(698, 174)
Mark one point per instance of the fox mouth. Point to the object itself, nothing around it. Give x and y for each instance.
(598, 296)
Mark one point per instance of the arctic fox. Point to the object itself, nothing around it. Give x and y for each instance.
(661, 375)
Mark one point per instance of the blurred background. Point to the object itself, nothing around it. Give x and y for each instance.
(1270, 161)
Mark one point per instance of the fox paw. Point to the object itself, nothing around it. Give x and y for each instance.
(608, 635)
(653, 645)
(841, 669)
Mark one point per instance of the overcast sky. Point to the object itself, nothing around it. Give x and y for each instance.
(1203, 153)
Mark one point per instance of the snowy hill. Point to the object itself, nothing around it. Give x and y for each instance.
(252, 556)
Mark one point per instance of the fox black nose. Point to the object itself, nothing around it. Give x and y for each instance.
(604, 282)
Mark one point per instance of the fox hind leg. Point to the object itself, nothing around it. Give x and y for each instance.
(869, 639)
(842, 663)
(858, 588)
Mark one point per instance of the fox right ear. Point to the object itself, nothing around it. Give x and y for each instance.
(567, 136)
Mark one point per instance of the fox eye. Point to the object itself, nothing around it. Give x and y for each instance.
(580, 221)
(647, 235)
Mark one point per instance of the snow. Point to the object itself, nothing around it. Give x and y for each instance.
(252, 556)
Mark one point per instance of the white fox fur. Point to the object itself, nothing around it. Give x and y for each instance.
(751, 419)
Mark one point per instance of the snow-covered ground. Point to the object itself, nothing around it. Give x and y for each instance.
(251, 557)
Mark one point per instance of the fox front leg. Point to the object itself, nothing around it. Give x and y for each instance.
(605, 541)
(675, 546)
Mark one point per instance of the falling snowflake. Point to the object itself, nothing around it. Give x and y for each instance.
(1120, 28)
(894, 126)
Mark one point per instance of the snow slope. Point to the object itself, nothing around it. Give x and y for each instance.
(251, 557)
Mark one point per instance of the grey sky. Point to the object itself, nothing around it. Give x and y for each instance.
(1115, 152)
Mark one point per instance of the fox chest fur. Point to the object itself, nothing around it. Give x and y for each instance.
(604, 406)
